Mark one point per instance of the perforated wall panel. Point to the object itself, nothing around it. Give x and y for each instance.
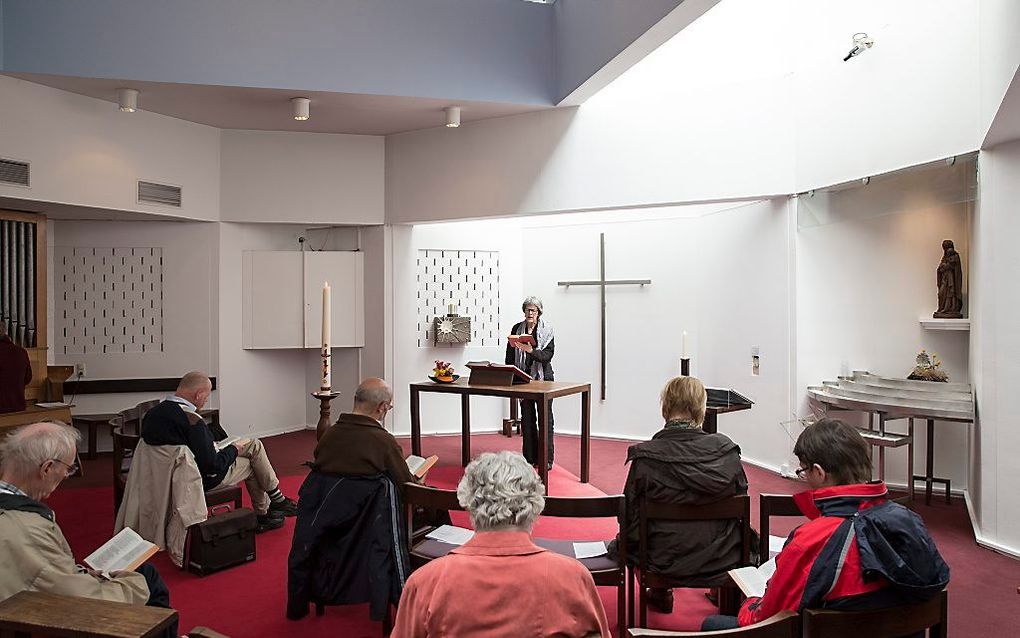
(468, 278)
(108, 300)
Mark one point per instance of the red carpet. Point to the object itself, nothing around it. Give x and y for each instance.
(249, 601)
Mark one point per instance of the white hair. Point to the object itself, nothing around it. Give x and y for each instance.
(29, 446)
(532, 300)
(500, 490)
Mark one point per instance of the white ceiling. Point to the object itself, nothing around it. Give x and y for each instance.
(230, 107)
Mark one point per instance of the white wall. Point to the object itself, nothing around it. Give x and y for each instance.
(995, 350)
(751, 100)
(85, 152)
(866, 261)
(411, 364)
(279, 177)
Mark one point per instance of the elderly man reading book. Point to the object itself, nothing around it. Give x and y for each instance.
(34, 555)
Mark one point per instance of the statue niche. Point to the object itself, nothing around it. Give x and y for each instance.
(949, 278)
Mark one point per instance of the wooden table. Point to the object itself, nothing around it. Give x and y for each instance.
(34, 414)
(37, 614)
(539, 391)
(91, 423)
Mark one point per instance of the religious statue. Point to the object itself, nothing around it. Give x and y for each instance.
(949, 278)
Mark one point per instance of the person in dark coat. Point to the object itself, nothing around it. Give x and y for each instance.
(683, 464)
(15, 373)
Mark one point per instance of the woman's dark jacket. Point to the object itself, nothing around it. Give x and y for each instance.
(543, 356)
(350, 545)
(688, 467)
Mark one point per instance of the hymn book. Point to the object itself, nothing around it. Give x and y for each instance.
(124, 552)
(752, 580)
(222, 445)
(528, 339)
(420, 466)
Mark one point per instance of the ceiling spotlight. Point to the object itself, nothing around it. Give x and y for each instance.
(951, 160)
(452, 116)
(127, 99)
(301, 107)
(861, 44)
(866, 181)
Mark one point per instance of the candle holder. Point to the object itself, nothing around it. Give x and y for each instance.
(685, 366)
(324, 397)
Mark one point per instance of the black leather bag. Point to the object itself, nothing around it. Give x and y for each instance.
(222, 541)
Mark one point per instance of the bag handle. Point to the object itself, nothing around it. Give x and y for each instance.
(219, 509)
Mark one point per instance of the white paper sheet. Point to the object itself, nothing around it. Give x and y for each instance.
(450, 534)
(589, 550)
(775, 545)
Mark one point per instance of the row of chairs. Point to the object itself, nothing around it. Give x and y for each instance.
(607, 572)
(930, 616)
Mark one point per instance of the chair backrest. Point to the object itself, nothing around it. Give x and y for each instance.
(882, 623)
(123, 446)
(591, 507)
(736, 507)
(785, 624)
(772, 505)
(432, 498)
(143, 407)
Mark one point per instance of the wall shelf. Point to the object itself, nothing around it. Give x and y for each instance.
(945, 324)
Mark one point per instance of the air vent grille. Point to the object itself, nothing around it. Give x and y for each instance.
(159, 194)
(14, 172)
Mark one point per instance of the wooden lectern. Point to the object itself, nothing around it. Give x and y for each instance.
(485, 373)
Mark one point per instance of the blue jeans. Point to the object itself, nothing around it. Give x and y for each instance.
(716, 623)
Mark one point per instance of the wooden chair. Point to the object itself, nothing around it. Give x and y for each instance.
(36, 614)
(421, 549)
(772, 505)
(785, 624)
(604, 570)
(123, 449)
(732, 508)
(883, 623)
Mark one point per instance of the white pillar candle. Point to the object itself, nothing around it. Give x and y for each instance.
(327, 380)
(683, 345)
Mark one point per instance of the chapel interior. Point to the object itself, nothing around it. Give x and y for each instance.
(751, 192)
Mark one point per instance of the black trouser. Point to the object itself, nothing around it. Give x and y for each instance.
(529, 430)
(159, 595)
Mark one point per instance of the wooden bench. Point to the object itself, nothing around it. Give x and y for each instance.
(32, 614)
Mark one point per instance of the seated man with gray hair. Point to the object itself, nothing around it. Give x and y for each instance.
(34, 555)
(176, 421)
(494, 583)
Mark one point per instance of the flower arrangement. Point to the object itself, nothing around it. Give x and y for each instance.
(443, 370)
(927, 368)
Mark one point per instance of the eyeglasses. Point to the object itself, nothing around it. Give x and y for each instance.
(802, 472)
(71, 469)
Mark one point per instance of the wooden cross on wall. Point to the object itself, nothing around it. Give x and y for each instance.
(602, 282)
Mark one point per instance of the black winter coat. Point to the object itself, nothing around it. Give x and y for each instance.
(350, 545)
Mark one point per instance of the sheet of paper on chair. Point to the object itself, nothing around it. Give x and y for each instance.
(53, 405)
(450, 534)
(775, 545)
(589, 550)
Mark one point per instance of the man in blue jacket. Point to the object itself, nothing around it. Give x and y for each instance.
(175, 421)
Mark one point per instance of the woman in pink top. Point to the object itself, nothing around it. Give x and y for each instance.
(500, 583)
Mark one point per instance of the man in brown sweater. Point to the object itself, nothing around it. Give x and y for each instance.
(358, 444)
(15, 373)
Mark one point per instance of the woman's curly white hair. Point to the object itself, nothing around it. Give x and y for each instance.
(500, 490)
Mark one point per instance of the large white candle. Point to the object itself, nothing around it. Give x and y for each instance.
(327, 381)
(683, 345)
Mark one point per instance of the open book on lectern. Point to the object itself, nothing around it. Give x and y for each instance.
(486, 367)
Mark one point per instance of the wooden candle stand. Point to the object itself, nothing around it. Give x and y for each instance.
(324, 397)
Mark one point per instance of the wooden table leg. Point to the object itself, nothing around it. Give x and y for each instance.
(929, 463)
(93, 426)
(465, 429)
(910, 461)
(585, 436)
(543, 441)
(415, 422)
(711, 424)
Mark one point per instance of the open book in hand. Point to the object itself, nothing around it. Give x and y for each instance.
(230, 440)
(528, 339)
(420, 466)
(124, 552)
(752, 580)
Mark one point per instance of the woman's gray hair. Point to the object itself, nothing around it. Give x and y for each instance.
(532, 301)
(500, 490)
(29, 446)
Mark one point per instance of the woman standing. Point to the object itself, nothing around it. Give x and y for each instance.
(536, 360)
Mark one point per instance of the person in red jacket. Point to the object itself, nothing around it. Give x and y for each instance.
(857, 551)
(15, 373)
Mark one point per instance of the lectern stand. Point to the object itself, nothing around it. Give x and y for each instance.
(496, 374)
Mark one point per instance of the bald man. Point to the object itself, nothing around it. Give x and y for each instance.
(169, 424)
(358, 444)
(36, 556)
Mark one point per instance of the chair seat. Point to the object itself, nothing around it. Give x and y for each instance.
(223, 494)
(697, 582)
